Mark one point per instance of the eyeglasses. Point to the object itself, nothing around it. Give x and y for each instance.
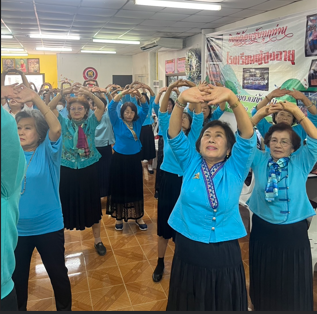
(283, 143)
(81, 108)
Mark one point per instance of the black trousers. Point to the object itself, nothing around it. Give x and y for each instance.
(159, 162)
(10, 302)
(52, 251)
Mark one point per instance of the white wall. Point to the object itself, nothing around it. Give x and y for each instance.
(141, 67)
(71, 66)
(190, 42)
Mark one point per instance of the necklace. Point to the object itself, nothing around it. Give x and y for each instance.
(24, 179)
(129, 125)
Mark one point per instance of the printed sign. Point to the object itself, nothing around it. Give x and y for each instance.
(90, 73)
(181, 62)
(169, 66)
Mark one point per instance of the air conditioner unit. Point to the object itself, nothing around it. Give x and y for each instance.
(158, 43)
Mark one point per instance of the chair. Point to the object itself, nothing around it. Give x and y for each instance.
(312, 235)
(245, 195)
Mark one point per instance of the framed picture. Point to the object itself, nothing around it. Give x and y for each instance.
(256, 79)
(8, 64)
(312, 75)
(34, 65)
(311, 36)
(22, 65)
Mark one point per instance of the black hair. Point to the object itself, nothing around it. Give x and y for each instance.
(228, 132)
(133, 108)
(172, 101)
(190, 122)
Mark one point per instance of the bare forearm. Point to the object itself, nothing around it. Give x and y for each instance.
(262, 103)
(157, 98)
(222, 105)
(175, 122)
(307, 125)
(165, 99)
(54, 102)
(310, 106)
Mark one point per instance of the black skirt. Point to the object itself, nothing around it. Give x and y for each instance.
(148, 151)
(104, 169)
(281, 277)
(207, 277)
(160, 155)
(125, 199)
(169, 192)
(79, 194)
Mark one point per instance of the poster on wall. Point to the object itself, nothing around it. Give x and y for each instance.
(255, 60)
(181, 62)
(34, 65)
(90, 73)
(169, 66)
(8, 64)
(21, 64)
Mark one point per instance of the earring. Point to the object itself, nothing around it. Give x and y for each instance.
(227, 156)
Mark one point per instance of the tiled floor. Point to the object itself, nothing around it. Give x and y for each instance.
(122, 279)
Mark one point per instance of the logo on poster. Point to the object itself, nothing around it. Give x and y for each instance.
(90, 73)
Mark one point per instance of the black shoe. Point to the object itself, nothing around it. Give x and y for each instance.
(158, 274)
(151, 171)
(156, 195)
(101, 249)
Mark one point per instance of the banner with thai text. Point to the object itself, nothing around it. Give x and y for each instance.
(253, 61)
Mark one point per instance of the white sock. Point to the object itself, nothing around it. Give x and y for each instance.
(150, 167)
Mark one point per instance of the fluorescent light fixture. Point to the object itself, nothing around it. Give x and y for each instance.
(67, 37)
(12, 49)
(14, 54)
(110, 41)
(98, 51)
(6, 36)
(179, 5)
(53, 49)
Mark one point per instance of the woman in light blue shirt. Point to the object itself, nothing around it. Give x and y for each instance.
(125, 200)
(207, 271)
(279, 253)
(40, 222)
(172, 174)
(79, 188)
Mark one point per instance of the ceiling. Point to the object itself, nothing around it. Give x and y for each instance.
(114, 19)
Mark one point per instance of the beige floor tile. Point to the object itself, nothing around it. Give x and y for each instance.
(37, 271)
(73, 247)
(39, 289)
(81, 301)
(137, 271)
(150, 251)
(151, 306)
(129, 255)
(88, 235)
(75, 263)
(96, 262)
(42, 305)
(72, 236)
(147, 238)
(104, 278)
(111, 298)
(78, 282)
(145, 291)
(123, 241)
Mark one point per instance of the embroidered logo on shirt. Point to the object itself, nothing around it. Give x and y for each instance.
(197, 175)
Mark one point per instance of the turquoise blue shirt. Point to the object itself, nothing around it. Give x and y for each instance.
(125, 142)
(40, 210)
(13, 167)
(292, 204)
(170, 163)
(263, 127)
(215, 115)
(104, 135)
(193, 215)
(70, 157)
(156, 108)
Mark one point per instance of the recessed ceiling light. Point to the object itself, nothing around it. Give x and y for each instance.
(6, 36)
(67, 37)
(179, 5)
(110, 41)
(12, 49)
(14, 54)
(98, 51)
(53, 49)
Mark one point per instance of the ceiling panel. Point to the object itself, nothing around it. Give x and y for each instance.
(271, 5)
(157, 23)
(108, 4)
(44, 8)
(201, 18)
(246, 13)
(132, 7)
(136, 14)
(169, 16)
(240, 4)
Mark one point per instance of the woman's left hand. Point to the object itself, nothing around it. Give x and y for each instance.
(216, 95)
(24, 94)
(193, 95)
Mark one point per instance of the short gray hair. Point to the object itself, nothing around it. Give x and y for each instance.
(40, 123)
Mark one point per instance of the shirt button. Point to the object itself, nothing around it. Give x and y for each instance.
(215, 210)
(213, 228)
(288, 187)
(288, 200)
(214, 218)
(287, 176)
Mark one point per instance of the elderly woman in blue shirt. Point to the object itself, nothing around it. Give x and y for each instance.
(79, 188)
(280, 254)
(207, 271)
(284, 116)
(126, 200)
(40, 222)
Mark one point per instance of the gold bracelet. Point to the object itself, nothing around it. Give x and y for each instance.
(180, 104)
(309, 106)
(301, 119)
(234, 105)
(268, 98)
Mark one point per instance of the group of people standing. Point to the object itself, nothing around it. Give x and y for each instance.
(85, 143)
